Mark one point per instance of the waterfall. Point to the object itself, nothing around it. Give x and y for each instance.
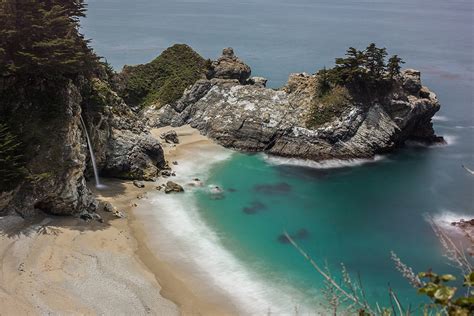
(94, 166)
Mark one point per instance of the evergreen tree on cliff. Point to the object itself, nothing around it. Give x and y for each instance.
(41, 39)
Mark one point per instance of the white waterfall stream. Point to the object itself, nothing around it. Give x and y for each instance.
(94, 166)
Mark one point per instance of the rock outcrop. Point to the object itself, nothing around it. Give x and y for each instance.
(123, 147)
(228, 66)
(57, 157)
(54, 182)
(252, 118)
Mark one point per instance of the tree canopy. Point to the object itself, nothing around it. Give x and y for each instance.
(366, 69)
(41, 38)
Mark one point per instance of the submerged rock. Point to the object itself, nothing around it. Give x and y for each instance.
(254, 208)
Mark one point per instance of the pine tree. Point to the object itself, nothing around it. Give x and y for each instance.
(374, 63)
(41, 38)
(394, 66)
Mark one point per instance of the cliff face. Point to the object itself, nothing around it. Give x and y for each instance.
(56, 152)
(54, 180)
(123, 146)
(251, 117)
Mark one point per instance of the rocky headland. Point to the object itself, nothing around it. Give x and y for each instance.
(240, 112)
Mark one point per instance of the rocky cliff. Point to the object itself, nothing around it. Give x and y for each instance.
(241, 113)
(56, 157)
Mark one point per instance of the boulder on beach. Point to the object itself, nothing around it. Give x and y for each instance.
(171, 137)
(138, 184)
(171, 187)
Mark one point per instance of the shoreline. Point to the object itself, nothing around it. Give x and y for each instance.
(174, 283)
(54, 264)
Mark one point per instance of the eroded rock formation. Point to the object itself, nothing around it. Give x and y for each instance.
(253, 118)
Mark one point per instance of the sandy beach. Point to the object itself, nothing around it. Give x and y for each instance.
(67, 265)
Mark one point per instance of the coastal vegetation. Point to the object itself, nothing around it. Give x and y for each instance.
(164, 79)
(361, 74)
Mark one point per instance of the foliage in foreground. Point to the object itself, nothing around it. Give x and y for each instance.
(347, 296)
(164, 79)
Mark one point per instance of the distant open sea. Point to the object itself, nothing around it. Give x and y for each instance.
(355, 212)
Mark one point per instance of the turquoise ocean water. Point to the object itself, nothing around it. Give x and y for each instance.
(353, 214)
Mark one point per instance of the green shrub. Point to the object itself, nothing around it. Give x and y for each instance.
(164, 79)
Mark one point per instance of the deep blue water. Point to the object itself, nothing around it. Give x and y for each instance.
(353, 215)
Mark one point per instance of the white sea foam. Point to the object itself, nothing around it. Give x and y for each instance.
(446, 217)
(450, 139)
(439, 118)
(325, 164)
(183, 237)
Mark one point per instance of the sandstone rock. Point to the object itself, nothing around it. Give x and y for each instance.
(107, 207)
(171, 137)
(228, 66)
(138, 184)
(173, 187)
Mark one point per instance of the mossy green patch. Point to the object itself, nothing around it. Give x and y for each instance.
(164, 79)
(328, 106)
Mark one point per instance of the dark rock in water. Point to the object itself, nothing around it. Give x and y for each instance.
(283, 239)
(462, 223)
(171, 137)
(138, 184)
(171, 187)
(278, 188)
(228, 66)
(165, 173)
(302, 234)
(231, 190)
(216, 193)
(254, 208)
